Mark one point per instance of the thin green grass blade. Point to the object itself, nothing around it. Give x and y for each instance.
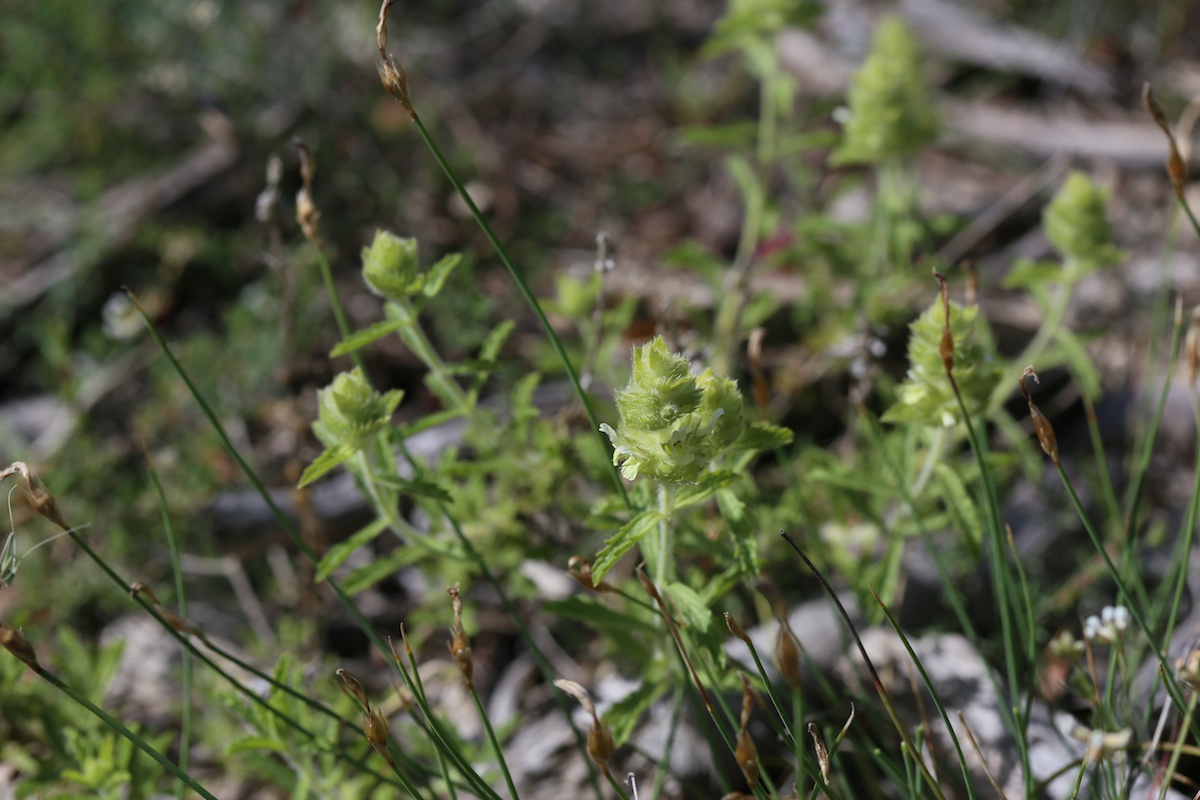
(527, 293)
(937, 699)
(185, 728)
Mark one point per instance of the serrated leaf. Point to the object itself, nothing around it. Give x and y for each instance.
(763, 436)
(366, 336)
(733, 510)
(338, 554)
(622, 716)
(625, 540)
(693, 612)
(323, 463)
(439, 272)
(708, 485)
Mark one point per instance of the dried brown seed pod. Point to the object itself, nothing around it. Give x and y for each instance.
(600, 744)
(14, 641)
(1041, 425)
(736, 629)
(353, 686)
(787, 656)
(460, 645)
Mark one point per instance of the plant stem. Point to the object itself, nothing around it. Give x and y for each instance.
(442, 382)
(335, 303)
(111, 722)
(496, 748)
(934, 453)
(526, 292)
(664, 570)
(1056, 310)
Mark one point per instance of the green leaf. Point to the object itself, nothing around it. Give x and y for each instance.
(338, 554)
(377, 570)
(437, 274)
(698, 493)
(428, 422)
(1082, 367)
(255, 743)
(366, 336)
(597, 615)
(495, 340)
(693, 612)
(730, 136)
(732, 507)
(961, 506)
(622, 716)
(624, 541)
(745, 541)
(521, 397)
(324, 463)
(763, 436)
(1026, 274)
(855, 484)
(754, 197)
(416, 488)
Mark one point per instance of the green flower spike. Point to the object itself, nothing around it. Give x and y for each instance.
(390, 266)
(350, 412)
(1076, 223)
(673, 424)
(926, 396)
(891, 114)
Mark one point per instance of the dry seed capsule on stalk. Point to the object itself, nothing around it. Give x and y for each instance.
(746, 752)
(580, 569)
(1041, 425)
(787, 657)
(1192, 348)
(352, 685)
(460, 645)
(1176, 166)
(14, 641)
(375, 728)
(600, 744)
(736, 629)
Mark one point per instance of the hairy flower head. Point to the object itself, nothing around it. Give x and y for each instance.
(1076, 223)
(673, 424)
(350, 412)
(391, 266)
(890, 113)
(926, 395)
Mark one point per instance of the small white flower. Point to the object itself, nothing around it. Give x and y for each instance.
(1103, 744)
(1119, 617)
(121, 318)
(1109, 627)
